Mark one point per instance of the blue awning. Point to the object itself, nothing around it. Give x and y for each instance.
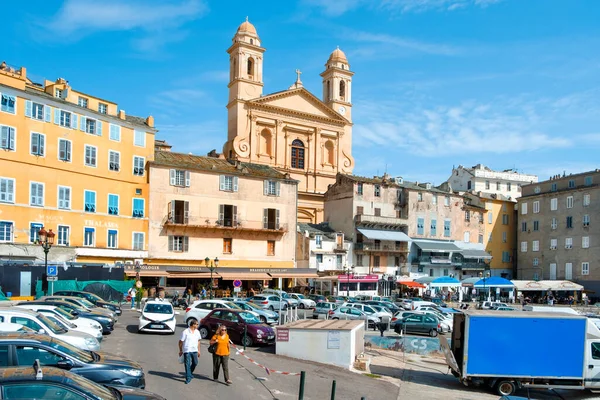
(445, 281)
(494, 281)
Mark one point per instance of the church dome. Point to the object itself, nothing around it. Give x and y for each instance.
(338, 56)
(247, 27)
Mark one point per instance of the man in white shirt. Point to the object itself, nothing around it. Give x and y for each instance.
(189, 347)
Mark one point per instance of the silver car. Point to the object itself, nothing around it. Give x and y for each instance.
(344, 312)
(269, 302)
(266, 316)
(323, 308)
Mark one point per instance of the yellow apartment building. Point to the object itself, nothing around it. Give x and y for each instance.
(76, 164)
(500, 233)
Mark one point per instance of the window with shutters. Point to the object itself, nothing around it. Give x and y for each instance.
(138, 165)
(272, 188)
(89, 201)
(8, 103)
(271, 248)
(570, 202)
(523, 226)
(38, 144)
(553, 244)
(34, 228)
(569, 222)
(91, 153)
(114, 132)
(297, 154)
(568, 243)
(37, 111)
(505, 257)
(536, 207)
(228, 215)
(178, 211)
(433, 228)
(7, 190)
(467, 215)
(270, 218)
(138, 208)
(114, 160)
(377, 190)
(554, 204)
(64, 198)
(65, 118)
(447, 201)
(498, 186)
(359, 189)
(227, 245)
(585, 268)
(179, 177)
(585, 242)
(487, 185)
(554, 223)
(138, 240)
(178, 243)
(536, 262)
(139, 138)
(63, 235)
(419, 196)
(6, 231)
(89, 236)
(446, 228)
(536, 225)
(89, 125)
(434, 200)
(102, 108)
(113, 204)
(377, 212)
(586, 220)
(523, 247)
(466, 236)
(571, 183)
(523, 208)
(36, 194)
(319, 241)
(568, 271)
(504, 237)
(64, 150)
(535, 245)
(228, 183)
(82, 102)
(7, 138)
(505, 219)
(588, 181)
(420, 226)
(586, 200)
(360, 210)
(111, 241)
(553, 187)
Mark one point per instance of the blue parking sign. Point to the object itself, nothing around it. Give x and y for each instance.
(51, 270)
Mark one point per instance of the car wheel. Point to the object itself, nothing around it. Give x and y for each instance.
(335, 318)
(271, 308)
(433, 333)
(189, 321)
(505, 388)
(203, 332)
(247, 341)
(302, 305)
(263, 319)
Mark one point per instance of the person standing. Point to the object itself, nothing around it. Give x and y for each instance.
(189, 347)
(221, 354)
(132, 292)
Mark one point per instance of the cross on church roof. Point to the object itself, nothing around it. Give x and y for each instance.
(298, 72)
(298, 83)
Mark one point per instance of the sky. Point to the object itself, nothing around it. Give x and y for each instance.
(437, 84)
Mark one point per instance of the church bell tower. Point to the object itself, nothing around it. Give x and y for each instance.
(337, 84)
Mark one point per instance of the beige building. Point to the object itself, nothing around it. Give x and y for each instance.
(480, 178)
(558, 231)
(291, 130)
(243, 214)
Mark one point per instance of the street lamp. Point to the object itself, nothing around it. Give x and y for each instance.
(347, 272)
(487, 275)
(211, 265)
(46, 240)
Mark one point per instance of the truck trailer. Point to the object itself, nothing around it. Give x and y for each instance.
(509, 350)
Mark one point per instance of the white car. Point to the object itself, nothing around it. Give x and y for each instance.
(10, 327)
(67, 320)
(369, 310)
(201, 308)
(303, 301)
(158, 316)
(292, 302)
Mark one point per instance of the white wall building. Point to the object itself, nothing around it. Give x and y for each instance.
(321, 248)
(482, 179)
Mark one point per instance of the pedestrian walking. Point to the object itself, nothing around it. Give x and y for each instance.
(132, 293)
(221, 354)
(203, 293)
(189, 347)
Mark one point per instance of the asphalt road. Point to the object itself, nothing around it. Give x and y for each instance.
(165, 376)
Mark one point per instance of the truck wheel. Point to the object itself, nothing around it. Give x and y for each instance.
(505, 388)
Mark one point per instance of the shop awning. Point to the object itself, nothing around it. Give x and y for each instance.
(192, 275)
(469, 282)
(148, 273)
(494, 282)
(425, 279)
(292, 275)
(439, 247)
(246, 276)
(445, 281)
(472, 253)
(377, 234)
(412, 284)
(525, 286)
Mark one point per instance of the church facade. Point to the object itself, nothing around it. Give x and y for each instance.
(292, 131)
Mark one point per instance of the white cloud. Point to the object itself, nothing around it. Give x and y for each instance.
(339, 7)
(390, 45)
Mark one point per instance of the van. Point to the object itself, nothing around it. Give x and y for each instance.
(564, 310)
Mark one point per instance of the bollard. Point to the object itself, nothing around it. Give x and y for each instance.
(301, 392)
(333, 390)
(245, 334)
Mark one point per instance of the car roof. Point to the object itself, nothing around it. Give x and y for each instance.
(24, 336)
(159, 302)
(16, 374)
(17, 310)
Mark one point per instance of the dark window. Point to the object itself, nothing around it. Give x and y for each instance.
(178, 212)
(569, 222)
(228, 215)
(270, 218)
(359, 210)
(378, 212)
(297, 154)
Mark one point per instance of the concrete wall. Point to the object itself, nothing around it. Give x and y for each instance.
(408, 344)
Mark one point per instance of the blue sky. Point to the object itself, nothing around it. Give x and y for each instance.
(507, 83)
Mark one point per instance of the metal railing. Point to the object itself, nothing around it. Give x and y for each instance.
(226, 223)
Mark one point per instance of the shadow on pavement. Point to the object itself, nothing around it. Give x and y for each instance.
(386, 371)
(132, 328)
(263, 349)
(180, 377)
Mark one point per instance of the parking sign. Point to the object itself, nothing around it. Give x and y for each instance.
(51, 270)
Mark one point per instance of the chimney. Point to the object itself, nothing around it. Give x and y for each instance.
(23, 73)
(122, 114)
(150, 121)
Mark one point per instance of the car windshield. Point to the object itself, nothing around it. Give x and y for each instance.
(249, 318)
(300, 296)
(231, 304)
(99, 391)
(81, 355)
(60, 323)
(55, 328)
(86, 303)
(153, 308)
(253, 306)
(92, 296)
(64, 314)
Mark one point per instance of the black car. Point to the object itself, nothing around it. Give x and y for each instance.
(22, 349)
(91, 297)
(57, 384)
(108, 324)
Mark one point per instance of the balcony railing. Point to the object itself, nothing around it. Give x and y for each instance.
(233, 224)
(479, 266)
(378, 219)
(385, 247)
(438, 260)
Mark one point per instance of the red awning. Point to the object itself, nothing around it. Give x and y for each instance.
(412, 284)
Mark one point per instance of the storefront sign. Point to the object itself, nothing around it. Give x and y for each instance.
(333, 339)
(283, 335)
(100, 224)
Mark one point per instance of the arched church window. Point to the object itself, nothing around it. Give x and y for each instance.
(250, 68)
(298, 154)
(266, 142)
(251, 41)
(342, 90)
(329, 152)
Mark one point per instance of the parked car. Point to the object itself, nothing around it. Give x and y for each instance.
(338, 299)
(92, 298)
(504, 309)
(77, 311)
(269, 301)
(418, 323)
(237, 322)
(22, 349)
(10, 327)
(81, 302)
(42, 324)
(390, 306)
(266, 316)
(158, 316)
(303, 302)
(51, 383)
(317, 298)
(398, 316)
(84, 325)
(486, 305)
(323, 308)
(406, 304)
(292, 302)
(343, 312)
(367, 309)
(200, 308)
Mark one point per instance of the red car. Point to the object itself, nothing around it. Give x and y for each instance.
(235, 321)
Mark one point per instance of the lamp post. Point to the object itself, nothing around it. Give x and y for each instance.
(347, 272)
(485, 276)
(212, 266)
(46, 240)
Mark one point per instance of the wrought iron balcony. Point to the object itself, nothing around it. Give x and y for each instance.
(382, 247)
(228, 224)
